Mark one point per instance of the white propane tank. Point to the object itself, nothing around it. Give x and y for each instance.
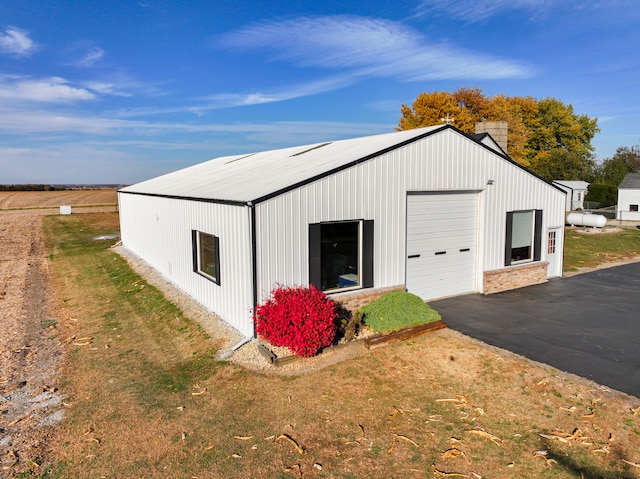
(580, 219)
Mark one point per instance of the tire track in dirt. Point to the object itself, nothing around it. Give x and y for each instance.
(30, 354)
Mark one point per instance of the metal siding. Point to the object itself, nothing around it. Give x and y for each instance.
(376, 189)
(158, 230)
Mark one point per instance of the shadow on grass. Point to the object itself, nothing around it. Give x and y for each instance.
(583, 466)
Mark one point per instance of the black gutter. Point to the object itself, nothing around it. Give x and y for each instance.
(189, 198)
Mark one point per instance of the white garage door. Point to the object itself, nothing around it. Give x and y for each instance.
(441, 244)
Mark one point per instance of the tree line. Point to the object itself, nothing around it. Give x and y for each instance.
(27, 188)
(547, 136)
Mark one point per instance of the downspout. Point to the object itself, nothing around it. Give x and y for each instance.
(254, 284)
(254, 260)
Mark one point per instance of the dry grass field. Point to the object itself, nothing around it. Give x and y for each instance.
(19, 200)
(102, 377)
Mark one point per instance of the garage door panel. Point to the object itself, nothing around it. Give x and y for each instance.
(441, 244)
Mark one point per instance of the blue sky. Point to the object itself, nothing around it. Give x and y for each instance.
(121, 91)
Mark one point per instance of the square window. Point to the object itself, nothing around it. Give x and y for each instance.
(206, 259)
(341, 255)
(633, 207)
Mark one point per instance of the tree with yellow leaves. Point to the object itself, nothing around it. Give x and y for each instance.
(536, 127)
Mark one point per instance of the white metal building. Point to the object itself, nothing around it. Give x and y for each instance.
(576, 191)
(432, 209)
(629, 198)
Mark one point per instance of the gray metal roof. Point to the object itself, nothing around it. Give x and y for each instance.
(631, 180)
(250, 177)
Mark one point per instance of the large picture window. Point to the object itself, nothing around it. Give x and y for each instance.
(206, 255)
(523, 236)
(341, 255)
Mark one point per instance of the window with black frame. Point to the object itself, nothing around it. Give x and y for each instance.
(206, 255)
(341, 255)
(340, 243)
(523, 236)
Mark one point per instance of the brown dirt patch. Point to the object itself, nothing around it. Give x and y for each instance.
(30, 354)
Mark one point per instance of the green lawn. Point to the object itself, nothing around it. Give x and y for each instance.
(144, 398)
(593, 249)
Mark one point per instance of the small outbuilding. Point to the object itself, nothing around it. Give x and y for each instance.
(433, 211)
(576, 191)
(629, 198)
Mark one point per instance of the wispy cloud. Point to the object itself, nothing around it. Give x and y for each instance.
(368, 47)
(94, 55)
(20, 122)
(479, 10)
(44, 90)
(15, 41)
(473, 11)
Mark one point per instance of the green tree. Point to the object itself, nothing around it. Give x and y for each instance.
(603, 194)
(613, 170)
(564, 165)
(559, 128)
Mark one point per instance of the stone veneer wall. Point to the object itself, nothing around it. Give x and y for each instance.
(514, 277)
(354, 300)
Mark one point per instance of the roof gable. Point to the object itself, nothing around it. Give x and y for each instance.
(631, 180)
(573, 185)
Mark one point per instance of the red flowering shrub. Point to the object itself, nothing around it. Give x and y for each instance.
(302, 319)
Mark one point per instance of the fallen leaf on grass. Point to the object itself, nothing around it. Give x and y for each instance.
(294, 468)
(602, 450)
(299, 449)
(634, 464)
(236, 456)
(243, 438)
(439, 473)
(396, 412)
(453, 453)
(459, 400)
(485, 435)
(208, 448)
(16, 421)
(543, 455)
(400, 437)
(199, 393)
(83, 341)
(11, 455)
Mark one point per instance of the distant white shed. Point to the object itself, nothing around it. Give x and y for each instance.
(431, 210)
(576, 191)
(629, 198)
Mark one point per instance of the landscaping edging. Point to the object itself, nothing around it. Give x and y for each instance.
(371, 342)
(402, 335)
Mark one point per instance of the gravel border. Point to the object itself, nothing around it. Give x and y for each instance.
(225, 337)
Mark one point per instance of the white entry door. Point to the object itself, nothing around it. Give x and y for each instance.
(552, 252)
(442, 240)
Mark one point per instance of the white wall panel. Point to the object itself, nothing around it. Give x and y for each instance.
(158, 230)
(376, 189)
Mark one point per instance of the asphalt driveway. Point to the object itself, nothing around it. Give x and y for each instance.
(588, 324)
